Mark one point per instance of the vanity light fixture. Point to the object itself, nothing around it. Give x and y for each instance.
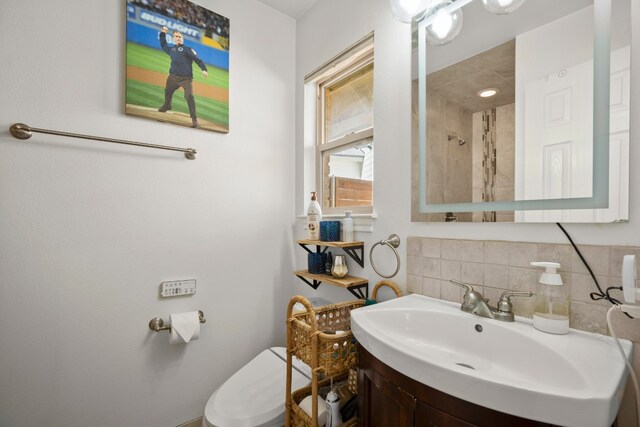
(488, 92)
(443, 18)
(408, 11)
(502, 7)
(445, 24)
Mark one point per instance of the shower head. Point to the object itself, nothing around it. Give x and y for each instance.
(457, 138)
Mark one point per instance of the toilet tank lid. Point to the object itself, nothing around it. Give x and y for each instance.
(254, 395)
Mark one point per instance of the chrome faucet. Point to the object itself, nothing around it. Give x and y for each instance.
(474, 303)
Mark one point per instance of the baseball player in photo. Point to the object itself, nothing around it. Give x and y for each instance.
(181, 72)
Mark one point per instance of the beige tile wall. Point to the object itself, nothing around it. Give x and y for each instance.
(495, 266)
(449, 168)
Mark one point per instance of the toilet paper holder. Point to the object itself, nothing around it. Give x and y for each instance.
(157, 324)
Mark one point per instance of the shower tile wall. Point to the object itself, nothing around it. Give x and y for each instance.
(449, 164)
(495, 266)
(505, 159)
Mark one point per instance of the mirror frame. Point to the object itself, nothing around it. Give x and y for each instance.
(600, 185)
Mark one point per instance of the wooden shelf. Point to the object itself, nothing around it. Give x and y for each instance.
(346, 282)
(354, 249)
(331, 244)
(353, 284)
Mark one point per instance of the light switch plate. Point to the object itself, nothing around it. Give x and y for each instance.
(178, 288)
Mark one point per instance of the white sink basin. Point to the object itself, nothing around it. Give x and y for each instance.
(571, 380)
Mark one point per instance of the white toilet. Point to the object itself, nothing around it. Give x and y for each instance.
(255, 395)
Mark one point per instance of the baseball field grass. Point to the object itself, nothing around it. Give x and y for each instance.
(147, 94)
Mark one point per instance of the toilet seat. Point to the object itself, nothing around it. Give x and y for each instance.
(255, 395)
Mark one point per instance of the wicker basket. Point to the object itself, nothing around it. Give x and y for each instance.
(313, 339)
(321, 337)
(388, 283)
(299, 418)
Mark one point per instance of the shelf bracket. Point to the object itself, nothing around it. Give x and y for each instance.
(313, 284)
(319, 249)
(357, 291)
(353, 253)
(303, 246)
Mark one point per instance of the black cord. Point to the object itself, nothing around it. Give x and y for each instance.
(596, 296)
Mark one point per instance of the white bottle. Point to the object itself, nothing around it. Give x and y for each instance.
(333, 418)
(314, 216)
(551, 310)
(347, 227)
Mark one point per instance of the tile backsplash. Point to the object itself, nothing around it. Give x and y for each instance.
(495, 266)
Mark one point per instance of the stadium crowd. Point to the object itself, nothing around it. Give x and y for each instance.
(189, 13)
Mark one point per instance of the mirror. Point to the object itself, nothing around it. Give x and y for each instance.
(524, 116)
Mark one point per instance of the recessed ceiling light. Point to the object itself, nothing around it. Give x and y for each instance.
(486, 93)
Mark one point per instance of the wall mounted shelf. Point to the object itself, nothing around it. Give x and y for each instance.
(354, 249)
(358, 286)
(353, 284)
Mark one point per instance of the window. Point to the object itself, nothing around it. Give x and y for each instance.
(344, 130)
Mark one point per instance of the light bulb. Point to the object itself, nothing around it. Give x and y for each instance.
(487, 93)
(502, 7)
(444, 26)
(409, 10)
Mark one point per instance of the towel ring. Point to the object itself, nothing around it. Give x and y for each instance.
(393, 242)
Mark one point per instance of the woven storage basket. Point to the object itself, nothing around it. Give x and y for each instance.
(299, 418)
(388, 283)
(334, 352)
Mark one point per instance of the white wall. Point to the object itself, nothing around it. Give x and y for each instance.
(392, 110)
(89, 230)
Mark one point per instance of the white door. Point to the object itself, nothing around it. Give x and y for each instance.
(558, 148)
(558, 142)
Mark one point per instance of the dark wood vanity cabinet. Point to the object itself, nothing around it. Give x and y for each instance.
(388, 398)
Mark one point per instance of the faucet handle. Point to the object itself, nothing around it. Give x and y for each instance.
(508, 294)
(467, 287)
(505, 308)
(471, 297)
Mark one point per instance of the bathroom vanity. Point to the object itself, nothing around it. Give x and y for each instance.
(387, 397)
(425, 362)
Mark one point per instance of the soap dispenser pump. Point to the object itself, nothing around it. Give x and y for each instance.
(551, 310)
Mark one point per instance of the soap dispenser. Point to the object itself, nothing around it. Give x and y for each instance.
(551, 310)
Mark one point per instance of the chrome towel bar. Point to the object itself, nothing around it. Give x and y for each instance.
(157, 324)
(22, 131)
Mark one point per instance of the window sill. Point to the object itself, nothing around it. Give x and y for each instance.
(361, 222)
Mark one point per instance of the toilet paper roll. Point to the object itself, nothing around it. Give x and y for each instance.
(305, 405)
(185, 327)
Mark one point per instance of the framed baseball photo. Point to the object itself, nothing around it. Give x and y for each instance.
(178, 64)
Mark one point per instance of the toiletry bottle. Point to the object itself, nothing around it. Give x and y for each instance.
(333, 410)
(314, 215)
(551, 310)
(347, 227)
(329, 264)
